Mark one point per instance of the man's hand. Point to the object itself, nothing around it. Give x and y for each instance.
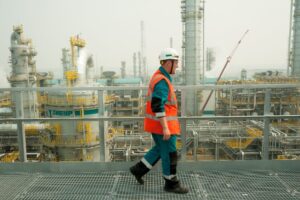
(167, 134)
(166, 131)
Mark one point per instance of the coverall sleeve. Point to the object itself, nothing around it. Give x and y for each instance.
(159, 98)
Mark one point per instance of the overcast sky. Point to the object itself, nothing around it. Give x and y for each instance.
(111, 29)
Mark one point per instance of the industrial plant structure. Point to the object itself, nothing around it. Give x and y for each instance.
(79, 95)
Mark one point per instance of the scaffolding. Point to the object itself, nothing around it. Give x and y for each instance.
(251, 101)
(128, 104)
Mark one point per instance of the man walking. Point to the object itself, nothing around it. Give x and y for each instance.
(161, 121)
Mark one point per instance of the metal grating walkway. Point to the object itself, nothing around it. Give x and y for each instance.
(104, 184)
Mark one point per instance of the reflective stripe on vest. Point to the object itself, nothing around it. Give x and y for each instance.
(168, 118)
(172, 102)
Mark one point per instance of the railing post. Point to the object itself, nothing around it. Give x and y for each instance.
(265, 147)
(183, 125)
(195, 135)
(183, 100)
(183, 139)
(217, 150)
(102, 127)
(21, 131)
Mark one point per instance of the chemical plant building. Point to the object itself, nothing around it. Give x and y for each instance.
(91, 119)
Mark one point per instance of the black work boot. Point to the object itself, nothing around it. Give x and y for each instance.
(139, 170)
(174, 186)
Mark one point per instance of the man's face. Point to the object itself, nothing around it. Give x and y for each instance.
(175, 65)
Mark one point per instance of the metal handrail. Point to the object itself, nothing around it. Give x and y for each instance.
(267, 117)
(189, 87)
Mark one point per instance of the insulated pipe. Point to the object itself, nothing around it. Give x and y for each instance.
(85, 64)
(127, 139)
(28, 127)
(5, 111)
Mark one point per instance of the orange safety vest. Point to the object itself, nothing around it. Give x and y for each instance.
(151, 122)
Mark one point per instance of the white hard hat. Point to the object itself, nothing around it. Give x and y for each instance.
(168, 54)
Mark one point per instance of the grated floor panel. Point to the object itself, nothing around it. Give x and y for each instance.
(203, 184)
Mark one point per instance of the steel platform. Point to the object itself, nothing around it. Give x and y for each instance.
(206, 180)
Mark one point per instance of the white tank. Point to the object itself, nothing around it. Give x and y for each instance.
(75, 134)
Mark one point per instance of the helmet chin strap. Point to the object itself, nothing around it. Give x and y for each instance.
(172, 66)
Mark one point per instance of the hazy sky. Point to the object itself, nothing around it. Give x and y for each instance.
(112, 30)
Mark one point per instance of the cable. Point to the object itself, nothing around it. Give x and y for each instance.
(226, 63)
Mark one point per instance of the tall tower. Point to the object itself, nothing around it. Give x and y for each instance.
(23, 72)
(210, 59)
(123, 69)
(134, 65)
(74, 140)
(140, 64)
(66, 62)
(192, 47)
(171, 42)
(294, 40)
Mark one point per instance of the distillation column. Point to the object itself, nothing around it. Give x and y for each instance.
(192, 18)
(23, 72)
(294, 43)
(75, 140)
(66, 62)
